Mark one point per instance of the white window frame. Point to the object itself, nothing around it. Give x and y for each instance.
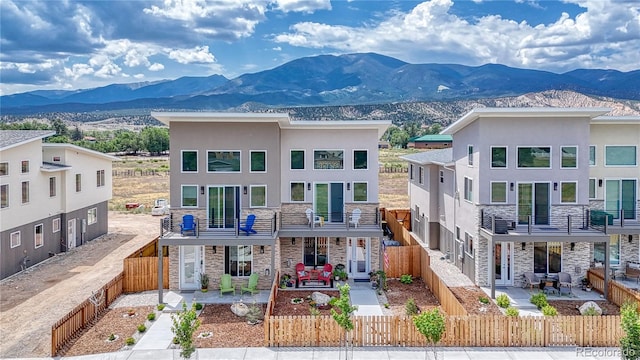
(536, 146)
(28, 197)
(53, 191)
(468, 244)
(55, 225)
(228, 269)
(354, 159)
(410, 171)
(78, 184)
(506, 192)
(420, 175)
(251, 187)
(304, 192)
(620, 166)
(6, 187)
(225, 172)
(576, 193)
(15, 240)
(22, 166)
(506, 157)
(265, 161)
(5, 165)
(320, 169)
(468, 189)
(353, 191)
(577, 156)
(595, 188)
(470, 155)
(100, 178)
(595, 155)
(35, 236)
(182, 162)
(304, 158)
(182, 196)
(92, 216)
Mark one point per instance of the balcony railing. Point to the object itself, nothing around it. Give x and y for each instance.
(348, 220)
(229, 228)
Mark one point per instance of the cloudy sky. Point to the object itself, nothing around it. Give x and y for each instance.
(56, 44)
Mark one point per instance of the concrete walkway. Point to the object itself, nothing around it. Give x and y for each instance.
(366, 300)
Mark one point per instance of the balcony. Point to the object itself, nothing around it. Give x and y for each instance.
(213, 232)
(305, 222)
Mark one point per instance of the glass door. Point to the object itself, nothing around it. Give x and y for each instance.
(358, 257)
(223, 204)
(503, 253)
(189, 267)
(533, 199)
(621, 194)
(329, 201)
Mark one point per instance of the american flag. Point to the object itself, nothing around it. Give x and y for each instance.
(386, 257)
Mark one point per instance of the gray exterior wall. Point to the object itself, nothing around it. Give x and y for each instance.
(100, 227)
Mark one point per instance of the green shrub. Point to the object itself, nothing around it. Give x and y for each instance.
(591, 311)
(130, 341)
(411, 308)
(160, 307)
(549, 310)
(386, 305)
(112, 337)
(539, 300)
(630, 323)
(483, 299)
(198, 306)
(511, 311)
(142, 328)
(151, 316)
(406, 279)
(503, 301)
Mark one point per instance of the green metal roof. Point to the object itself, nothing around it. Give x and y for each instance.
(433, 137)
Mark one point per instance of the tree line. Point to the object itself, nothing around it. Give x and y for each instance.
(399, 136)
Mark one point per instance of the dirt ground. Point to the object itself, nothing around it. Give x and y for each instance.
(30, 303)
(469, 297)
(398, 294)
(570, 307)
(284, 306)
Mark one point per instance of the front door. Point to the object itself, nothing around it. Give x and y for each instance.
(71, 234)
(223, 204)
(329, 201)
(533, 200)
(503, 253)
(358, 257)
(190, 267)
(621, 195)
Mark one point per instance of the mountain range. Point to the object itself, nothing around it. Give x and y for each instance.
(327, 80)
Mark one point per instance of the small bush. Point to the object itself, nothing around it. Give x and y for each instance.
(175, 340)
(386, 305)
(151, 316)
(142, 328)
(591, 311)
(198, 306)
(112, 337)
(130, 341)
(406, 279)
(539, 300)
(411, 308)
(160, 307)
(483, 299)
(503, 301)
(549, 310)
(314, 311)
(511, 311)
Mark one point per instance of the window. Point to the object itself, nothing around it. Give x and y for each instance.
(470, 155)
(360, 161)
(468, 240)
(15, 239)
(547, 257)
(297, 191)
(52, 186)
(421, 175)
(78, 182)
(100, 178)
(55, 225)
(25, 192)
(328, 159)
(223, 161)
(458, 233)
(569, 157)
(92, 216)
(468, 189)
(568, 192)
(534, 157)
(620, 156)
(315, 251)
(258, 196)
(24, 166)
(441, 176)
(238, 260)
(258, 161)
(189, 195)
(592, 155)
(56, 158)
(499, 192)
(38, 236)
(614, 250)
(498, 157)
(4, 168)
(4, 196)
(592, 189)
(410, 171)
(360, 191)
(297, 159)
(189, 161)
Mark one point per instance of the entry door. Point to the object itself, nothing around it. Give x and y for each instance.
(71, 234)
(329, 201)
(503, 253)
(358, 257)
(223, 204)
(621, 194)
(190, 267)
(533, 199)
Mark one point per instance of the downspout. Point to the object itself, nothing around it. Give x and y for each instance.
(456, 196)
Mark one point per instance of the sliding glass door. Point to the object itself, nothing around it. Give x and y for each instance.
(533, 200)
(224, 206)
(621, 194)
(329, 201)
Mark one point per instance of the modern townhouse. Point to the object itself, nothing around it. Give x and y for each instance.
(54, 197)
(309, 187)
(523, 190)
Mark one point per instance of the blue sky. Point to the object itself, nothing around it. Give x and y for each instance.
(52, 44)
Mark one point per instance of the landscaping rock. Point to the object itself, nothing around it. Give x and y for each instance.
(240, 309)
(584, 307)
(320, 298)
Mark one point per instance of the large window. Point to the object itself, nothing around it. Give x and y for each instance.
(258, 196)
(4, 196)
(360, 192)
(468, 189)
(189, 161)
(569, 157)
(297, 159)
(592, 155)
(614, 250)
(568, 192)
(78, 182)
(223, 161)
(15, 239)
(25, 192)
(238, 260)
(620, 156)
(24, 166)
(499, 192)
(297, 191)
(258, 161)
(592, 189)
(360, 160)
(534, 157)
(92, 216)
(52, 186)
(499, 157)
(189, 195)
(100, 178)
(328, 159)
(316, 251)
(547, 257)
(38, 236)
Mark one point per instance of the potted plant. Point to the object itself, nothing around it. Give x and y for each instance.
(286, 281)
(204, 282)
(340, 274)
(373, 278)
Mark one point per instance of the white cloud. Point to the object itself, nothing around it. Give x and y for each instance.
(277, 48)
(306, 6)
(156, 67)
(78, 70)
(138, 76)
(199, 54)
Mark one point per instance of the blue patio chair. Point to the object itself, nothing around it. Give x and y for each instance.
(247, 226)
(188, 224)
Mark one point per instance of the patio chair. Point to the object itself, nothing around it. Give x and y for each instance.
(252, 286)
(325, 275)
(355, 217)
(632, 271)
(247, 226)
(531, 281)
(226, 285)
(301, 274)
(317, 220)
(188, 224)
(564, 283)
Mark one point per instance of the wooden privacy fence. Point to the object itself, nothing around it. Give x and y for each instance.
(141, 274)
(476, 330)
(72, 324)
(403, 260)
(617, 294)
(399, 230)
(448, 301)
(271, 303)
